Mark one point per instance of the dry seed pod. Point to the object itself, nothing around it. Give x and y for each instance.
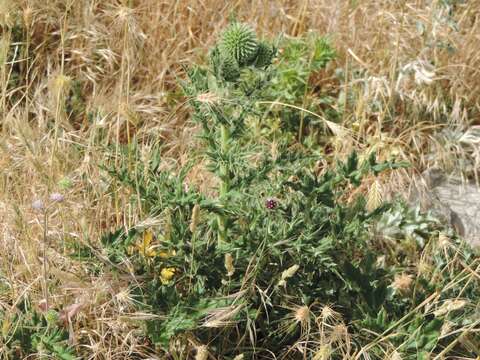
(195, 218)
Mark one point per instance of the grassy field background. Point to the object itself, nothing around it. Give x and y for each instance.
(78, 77)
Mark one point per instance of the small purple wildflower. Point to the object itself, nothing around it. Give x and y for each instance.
(271, 204)
(56, 197)
(38, 205)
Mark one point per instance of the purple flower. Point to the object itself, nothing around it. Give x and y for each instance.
(271, 204)
(38, 205)
(56, 197)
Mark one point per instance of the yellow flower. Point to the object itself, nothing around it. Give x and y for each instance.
(167, 254)
(166, 275)
(145, 247)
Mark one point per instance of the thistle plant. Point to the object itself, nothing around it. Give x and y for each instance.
(274, 241)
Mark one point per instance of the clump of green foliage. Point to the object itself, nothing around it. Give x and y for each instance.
(26, 332)
(301, 60)
(278, 259)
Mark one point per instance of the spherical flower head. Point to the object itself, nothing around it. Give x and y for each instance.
(239, 42)
(38, 205)
(271, 204)
(57, 197)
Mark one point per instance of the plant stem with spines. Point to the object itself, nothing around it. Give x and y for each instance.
(224, 181)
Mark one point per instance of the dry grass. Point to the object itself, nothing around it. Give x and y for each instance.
(124, 56)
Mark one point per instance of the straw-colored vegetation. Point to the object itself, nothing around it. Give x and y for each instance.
(128, 234)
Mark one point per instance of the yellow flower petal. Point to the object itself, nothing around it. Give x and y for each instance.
(166, 275)
(144, 247)
(167, 254)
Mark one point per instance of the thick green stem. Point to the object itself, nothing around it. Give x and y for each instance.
(224, 182)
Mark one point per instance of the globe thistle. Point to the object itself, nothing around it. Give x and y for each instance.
(239, 42)
(264, 56)
(229, 68)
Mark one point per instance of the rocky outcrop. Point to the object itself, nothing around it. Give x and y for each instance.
(452, 200)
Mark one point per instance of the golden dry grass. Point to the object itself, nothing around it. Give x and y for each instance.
(125, 56)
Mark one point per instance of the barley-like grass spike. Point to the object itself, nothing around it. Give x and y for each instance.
(239, 42)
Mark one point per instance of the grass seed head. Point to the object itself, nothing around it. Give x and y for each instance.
(202, 353)
(402, 283)
(339, 333)
(444, 242)
(303, 315)
(195, 218)
(449, 306)
(208, 98)
(286, 274)
(229, 264)
(329, 314)
(323, 353)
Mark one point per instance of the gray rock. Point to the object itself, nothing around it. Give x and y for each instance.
(451, 200)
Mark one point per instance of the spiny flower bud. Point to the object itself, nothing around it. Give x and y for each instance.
(229, 68)
(239, 42)
(265, 55)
